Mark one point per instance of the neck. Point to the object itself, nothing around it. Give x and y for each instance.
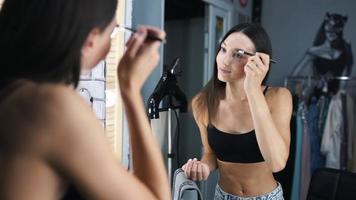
(235, 91)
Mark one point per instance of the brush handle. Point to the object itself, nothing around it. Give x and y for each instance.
(149, 37)
(252, 54)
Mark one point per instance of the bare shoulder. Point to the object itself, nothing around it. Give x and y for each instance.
(199, 109)
(34, 114)
(48, 103)
(65, 110)
(278, 91)
(279, 96)
(195, 101)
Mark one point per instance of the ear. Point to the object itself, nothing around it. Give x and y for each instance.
(327, 15)
(90, 43)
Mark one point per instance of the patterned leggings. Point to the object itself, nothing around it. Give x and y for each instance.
(276, 194)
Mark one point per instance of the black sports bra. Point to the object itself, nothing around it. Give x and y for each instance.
(237, 148)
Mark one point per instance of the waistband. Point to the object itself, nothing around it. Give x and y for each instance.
(274, 194)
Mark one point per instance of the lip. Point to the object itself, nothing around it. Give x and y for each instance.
(224, 71)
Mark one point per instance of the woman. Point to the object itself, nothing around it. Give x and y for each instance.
(50, 138)
(244, 125)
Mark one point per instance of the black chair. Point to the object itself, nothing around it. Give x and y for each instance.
(330, 184)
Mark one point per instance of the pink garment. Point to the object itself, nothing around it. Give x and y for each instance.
(306, 165)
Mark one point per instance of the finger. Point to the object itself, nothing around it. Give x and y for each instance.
(183, 167)
(148, 48)
(200, 171)
(188, 168)
(154, 31)
(254, 60)
(129, 41)
(248, 69)
(137, 40)
(194, 170)
(265, 59)
(249, 66)
(250, 63)
(260, 67)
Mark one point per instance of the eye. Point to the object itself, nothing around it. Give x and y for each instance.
(222, 49)
(238, 54)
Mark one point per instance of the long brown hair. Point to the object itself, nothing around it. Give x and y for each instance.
(41, 40)
(207, 100)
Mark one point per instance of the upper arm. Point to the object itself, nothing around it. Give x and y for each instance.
(281, 111)
(202, 120)
(81, 152)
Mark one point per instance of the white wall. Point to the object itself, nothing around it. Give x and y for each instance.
(293, 25)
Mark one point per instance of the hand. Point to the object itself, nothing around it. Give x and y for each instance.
(196, 170)
(256, 69)
(140, 58)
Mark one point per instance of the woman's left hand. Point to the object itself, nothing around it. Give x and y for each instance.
(255, 69)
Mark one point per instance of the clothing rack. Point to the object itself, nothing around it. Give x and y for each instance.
(311, 78)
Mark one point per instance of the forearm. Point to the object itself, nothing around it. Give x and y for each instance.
(147, 159)
(273, 147)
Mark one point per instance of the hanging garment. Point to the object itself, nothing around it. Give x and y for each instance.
(344, 135)
(305, 161)
(298, 152)
(313, 122)
(351, 128)
(331, 140)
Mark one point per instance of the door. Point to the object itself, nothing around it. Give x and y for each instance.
(218, 20)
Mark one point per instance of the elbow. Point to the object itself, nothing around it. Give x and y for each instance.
(163, 196)
(279, 165)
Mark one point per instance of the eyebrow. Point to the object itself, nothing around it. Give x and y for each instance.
(238, 49)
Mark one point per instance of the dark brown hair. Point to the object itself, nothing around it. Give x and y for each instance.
(41, 40)
(208, 98)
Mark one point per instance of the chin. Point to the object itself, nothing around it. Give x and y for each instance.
(222, 79)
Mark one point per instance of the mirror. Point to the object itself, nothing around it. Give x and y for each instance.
(292, 26)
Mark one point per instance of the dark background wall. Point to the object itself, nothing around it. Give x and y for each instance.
(293, 25)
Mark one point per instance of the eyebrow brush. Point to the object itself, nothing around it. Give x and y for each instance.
(240, 51)
(150, 37)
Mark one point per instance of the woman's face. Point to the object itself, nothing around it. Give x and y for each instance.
(230, 63)
(97, 46)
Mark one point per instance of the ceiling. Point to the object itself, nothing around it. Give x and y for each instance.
(183, 9)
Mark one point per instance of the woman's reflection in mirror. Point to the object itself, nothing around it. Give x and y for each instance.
(244, 124)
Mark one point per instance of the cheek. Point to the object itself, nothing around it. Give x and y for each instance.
(219, 58)
(238, 67)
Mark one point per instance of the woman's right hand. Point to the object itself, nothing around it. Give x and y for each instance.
(196, 170)
(140, 58)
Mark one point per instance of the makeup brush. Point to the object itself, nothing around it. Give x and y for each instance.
(242, 52)
(149, 37)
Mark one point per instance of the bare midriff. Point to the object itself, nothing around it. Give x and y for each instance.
(246, 179)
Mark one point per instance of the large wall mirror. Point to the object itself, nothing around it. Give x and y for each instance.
(292, 26)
